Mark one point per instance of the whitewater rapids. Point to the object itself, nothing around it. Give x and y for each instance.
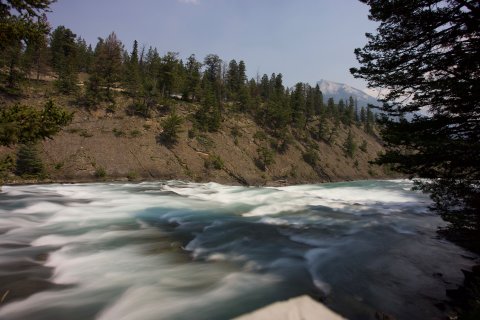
(176, 250)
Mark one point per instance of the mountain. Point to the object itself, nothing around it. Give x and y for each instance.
(343, 91)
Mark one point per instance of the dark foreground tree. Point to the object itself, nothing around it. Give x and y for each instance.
(427, 54)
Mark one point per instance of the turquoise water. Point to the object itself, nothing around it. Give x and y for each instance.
(175, 250)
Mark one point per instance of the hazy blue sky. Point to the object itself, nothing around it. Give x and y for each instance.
(305, 40)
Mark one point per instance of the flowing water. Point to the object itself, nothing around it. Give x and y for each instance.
(175, 250)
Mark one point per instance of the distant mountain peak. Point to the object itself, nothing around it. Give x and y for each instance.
(337, 91)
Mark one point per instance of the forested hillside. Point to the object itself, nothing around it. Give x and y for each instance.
(139, 114)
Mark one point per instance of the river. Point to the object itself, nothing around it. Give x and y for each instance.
(177, 250)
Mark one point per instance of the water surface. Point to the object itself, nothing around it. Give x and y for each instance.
(175, 250)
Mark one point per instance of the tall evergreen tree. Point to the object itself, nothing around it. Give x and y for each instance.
(298, 105)
(19, 20)
(233, 80)
(133, 72)
(193, 76)
(213, 75)
(63, 49)
(429, 51)
(84, 55)
(169, 74)
(107, 67)
(36, 53)
(318, 100)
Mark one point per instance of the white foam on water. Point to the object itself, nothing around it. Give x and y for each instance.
(148, 303)
(110, 243)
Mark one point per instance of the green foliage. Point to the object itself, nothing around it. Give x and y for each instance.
(100, 173)
(63, 50)
(208, 117)
(364, 146)
(132, 175)
(215, 162)
(283, 140)
(171, 128)
(28, 163)
(106, 71)
(135, 133)
(7, 165)
(140, 109)
(260, 136)
(265, 158)
(349, 146)
(118, 133)
(24, 124)
(85, 134)
(311, 157)
(18, 19)
(428, 49)
(205, 141)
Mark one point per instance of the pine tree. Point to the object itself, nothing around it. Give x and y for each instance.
(19, 21)
(107, 67)
(331, 108)
(35, 58)
(264, 88)
(24, 124)
(213, 75)
(233, 80)
(349, 146)
(193, 76)
(318, 100)
(169, 74)
(298, 106)
(133, 73)
(28, 162)
(64, 58)
(24, 22)
(84, 55)
(170, 129)
(429, 51)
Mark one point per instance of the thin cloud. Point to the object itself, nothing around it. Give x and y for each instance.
(189, 1)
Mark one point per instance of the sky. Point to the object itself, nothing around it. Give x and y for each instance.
(305, 40)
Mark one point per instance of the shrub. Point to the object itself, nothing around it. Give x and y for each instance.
(59, 165)
(28, 162)
(260, 135)
(100, 173)
(132, 175)
(311, 157)
(84, 133)
(205, 141)
(171, 129)
(135, 133)
(118, 133)
(265, 158)
(215, 162)
(139, 109)
(363, 146)
(7, 164)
